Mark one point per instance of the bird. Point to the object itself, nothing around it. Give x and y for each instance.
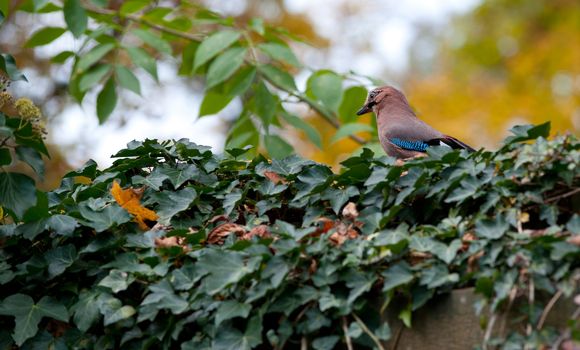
(401, 133)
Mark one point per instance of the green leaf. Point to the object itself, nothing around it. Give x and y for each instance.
(117, 280)
(93, 76)
(133, 6)
(5, 157)
(86, 310)
(17, 192)
(573, 224)
(325, 343)
(223, 268)
(264, 103)
(397, 275)
(106, 100)
(142, 59)
(171, 203)
(325, 86)
(63, 225)
(350, 129)
(93, 56)
(280, 52)
(297, 122)
(352, 100)
(180, 174)
(213, 102)
(44, 36)
(104, 219)
(214, 44)
(491, 229)
(8, 65)
(62, 57)
(225, 65)
(31, 157)
(229, 309)
(59, 259)
(279, 77)
(240, 82)
(28, 314)
(127, 79)
(528, 132)
(277, 147)
(153, 40)
(75, 17)
(447, 253)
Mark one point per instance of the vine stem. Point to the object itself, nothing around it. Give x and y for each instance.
(548, 308)
(364, 327)
(326, 115)
(346, 336)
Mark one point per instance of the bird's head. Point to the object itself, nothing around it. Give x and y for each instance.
(381, 96)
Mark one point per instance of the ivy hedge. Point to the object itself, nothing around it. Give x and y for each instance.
(174, 246)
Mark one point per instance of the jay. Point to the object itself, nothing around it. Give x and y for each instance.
(401, 133)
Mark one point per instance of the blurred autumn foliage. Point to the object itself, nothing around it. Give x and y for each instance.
(508, 62)
(505, 63)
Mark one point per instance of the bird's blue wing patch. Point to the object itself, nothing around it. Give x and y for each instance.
(418, 146)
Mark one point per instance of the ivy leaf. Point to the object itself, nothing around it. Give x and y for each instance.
(117, 280)
(171, 203)
(397, 275)
(31, 157)
(224, 268)
(75, 17)
(86, 310)
(17, 192)
(230, 309)
(106, 218)
(59, 259)
(113, 309)
(214, 44)
(447, 252)
(491, 229)
(28, 314)
(528, 132)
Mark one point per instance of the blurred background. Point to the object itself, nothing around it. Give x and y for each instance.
(470, 68)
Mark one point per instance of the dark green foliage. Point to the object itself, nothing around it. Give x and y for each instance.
(87, 277)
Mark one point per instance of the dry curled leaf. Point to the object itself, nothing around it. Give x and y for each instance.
(274, 177)
(349, 212)
(323, 225)
(575, 240)
(261, 231)
(168, 242)
(466, 240)
(472, 261)
(219, 233)
(130, 200)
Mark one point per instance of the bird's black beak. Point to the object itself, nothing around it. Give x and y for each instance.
(365, 109)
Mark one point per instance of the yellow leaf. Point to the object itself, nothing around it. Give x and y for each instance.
(130, 200)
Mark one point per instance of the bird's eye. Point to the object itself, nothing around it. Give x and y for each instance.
(373, 94)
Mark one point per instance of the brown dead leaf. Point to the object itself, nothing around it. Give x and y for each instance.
(466, 240)
(218, 218)
(349, 212)
(262, 231)
(323, 225)
(575, 240)
(274, 177)
(337, 238)
(313, 267)
(174, 241)
(218, 234)
(472, 261)
(57, 328)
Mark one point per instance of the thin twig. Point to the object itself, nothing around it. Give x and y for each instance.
(303, 344)
(489, 329)
(368, 332)
(548, 308)
(563, 195)
(346, 336)
(398, 337)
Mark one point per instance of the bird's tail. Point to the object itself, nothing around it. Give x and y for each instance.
(453, 143)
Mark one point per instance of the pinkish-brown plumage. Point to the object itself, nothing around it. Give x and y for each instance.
(401, 133)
